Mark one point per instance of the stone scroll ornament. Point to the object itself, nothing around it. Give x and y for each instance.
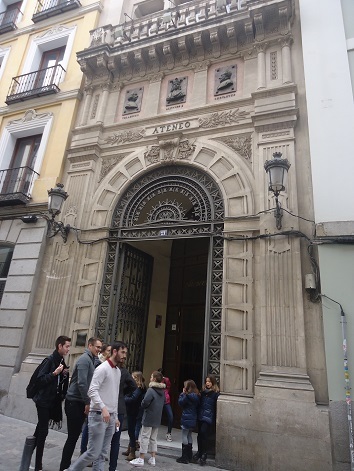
(225, 80)
(133, 99)
(177, 91)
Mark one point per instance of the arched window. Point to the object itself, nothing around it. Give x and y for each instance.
(5, 260)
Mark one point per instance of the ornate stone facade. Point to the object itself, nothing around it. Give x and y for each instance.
(197, 170)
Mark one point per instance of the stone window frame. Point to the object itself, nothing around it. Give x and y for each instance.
(54, 38)
(5, 3)
(4, 55)
(3, 279)
(30, 125)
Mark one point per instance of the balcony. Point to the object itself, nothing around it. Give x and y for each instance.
(47, 8)
(8, 20)
(16, 185)
(35, 84)
(192, 32)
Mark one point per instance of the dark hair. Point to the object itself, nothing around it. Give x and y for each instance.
(214, 383)
(117, 345)
(157, 375)
(61, 340)
(190, 386)
(93, 340)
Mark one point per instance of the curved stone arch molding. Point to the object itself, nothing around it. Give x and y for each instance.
(224, 166)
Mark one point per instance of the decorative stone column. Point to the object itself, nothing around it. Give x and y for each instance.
(153, 98)
(199, 94)
(261, 57)
(87, 105)
(104, 100)
(286, 60)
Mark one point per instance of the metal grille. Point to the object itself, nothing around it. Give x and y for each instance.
(130, 315)
(208, 216)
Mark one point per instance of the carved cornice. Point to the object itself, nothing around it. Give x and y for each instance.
(131, 51)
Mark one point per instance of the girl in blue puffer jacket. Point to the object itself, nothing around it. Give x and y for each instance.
(189, 401)
(206, 417)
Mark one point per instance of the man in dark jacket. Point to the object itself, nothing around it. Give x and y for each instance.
(77, 402)
(127, 386)
(52, 381)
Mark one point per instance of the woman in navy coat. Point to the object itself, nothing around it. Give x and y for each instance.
(206, 417)
(189, 401)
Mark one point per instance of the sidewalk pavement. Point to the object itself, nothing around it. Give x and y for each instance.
(13, 433)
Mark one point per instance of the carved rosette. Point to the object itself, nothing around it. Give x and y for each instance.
(170, 150)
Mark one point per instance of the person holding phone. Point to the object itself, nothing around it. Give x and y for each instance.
(52, 380)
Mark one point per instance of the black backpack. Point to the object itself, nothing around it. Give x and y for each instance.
(32, 387)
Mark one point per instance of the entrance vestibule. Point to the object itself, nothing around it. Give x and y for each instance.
(175, 332)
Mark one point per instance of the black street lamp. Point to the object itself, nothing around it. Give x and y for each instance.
(277, 170)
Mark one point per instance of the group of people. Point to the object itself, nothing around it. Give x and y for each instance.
(101, 393)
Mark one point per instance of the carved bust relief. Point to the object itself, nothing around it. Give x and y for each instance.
(225, 80)
(133, 100)
(176, 91)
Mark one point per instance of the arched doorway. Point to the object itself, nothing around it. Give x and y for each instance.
(178, 210)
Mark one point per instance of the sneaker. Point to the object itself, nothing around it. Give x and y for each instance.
(169, 437)
(137, 462)
(152, 461)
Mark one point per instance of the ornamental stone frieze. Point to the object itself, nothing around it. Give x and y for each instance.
(241, 144)
(126, 136)
(170, 150)
(223, 118)
(154, 43)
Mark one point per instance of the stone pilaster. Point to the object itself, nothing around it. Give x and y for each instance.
(199, 94)
(87, 105)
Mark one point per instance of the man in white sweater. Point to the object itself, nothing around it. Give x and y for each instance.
(103, 415)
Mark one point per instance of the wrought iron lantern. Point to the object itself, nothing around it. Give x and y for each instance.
(277, 170)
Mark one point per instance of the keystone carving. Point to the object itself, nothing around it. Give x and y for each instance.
(170, 150)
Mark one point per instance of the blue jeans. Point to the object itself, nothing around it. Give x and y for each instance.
(115, 443)
(100, 437)
(168, 409)
(84, 438)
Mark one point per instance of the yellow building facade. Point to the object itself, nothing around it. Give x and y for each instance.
(39, 97)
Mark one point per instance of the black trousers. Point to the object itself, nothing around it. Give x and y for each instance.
(204, 431)
(75, 413)
(41, 433)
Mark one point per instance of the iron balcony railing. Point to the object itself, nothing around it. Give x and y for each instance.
(35, 84)
(16, 185)
(8, 20)
(48, 8)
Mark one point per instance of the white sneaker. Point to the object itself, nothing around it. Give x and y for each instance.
(137, 462)
(169, 437)
(152, 461)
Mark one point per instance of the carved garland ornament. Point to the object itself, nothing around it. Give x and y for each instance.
(126, 136)
(223, 118)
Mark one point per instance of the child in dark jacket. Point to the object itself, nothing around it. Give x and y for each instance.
(206, 417)
(189, 401)
(152, 405)
(133, 403)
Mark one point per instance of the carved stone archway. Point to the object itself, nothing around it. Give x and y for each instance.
(172, 202)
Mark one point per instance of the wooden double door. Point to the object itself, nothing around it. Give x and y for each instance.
(185, 320)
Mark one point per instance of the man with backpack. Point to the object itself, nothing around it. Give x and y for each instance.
(51, 385)
(77, 402)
